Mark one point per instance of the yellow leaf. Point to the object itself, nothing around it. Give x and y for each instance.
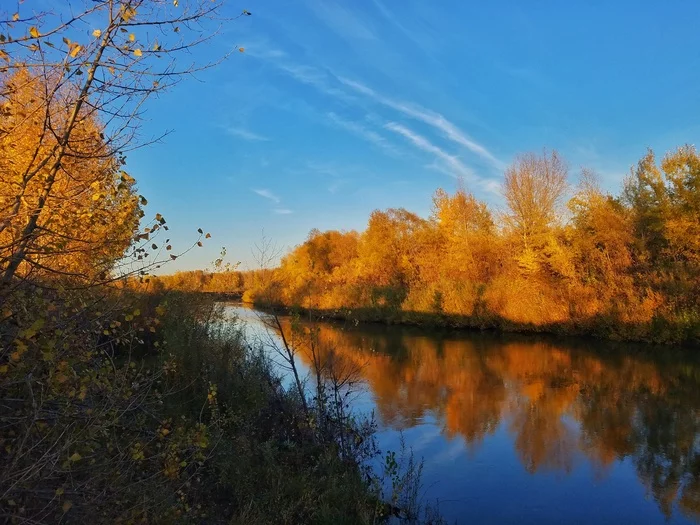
(97, 33)
(59, 491)
(132, 37)
(15, 17)
(128, 13)
(241, 49)
(32, 330)
(75, 457)
(75, 50)
(67, 505)
(3, 369)
(175, 3)
(34, 32)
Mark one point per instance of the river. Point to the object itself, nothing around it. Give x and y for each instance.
(528, 429)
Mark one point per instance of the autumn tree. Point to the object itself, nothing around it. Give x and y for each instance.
(89, 208)
(74, 87)
(665, 205)
(682, 170)
(319, 264)
(646, 192)
(73, 84)
(388, 248)
(534, 188)
(469, 232)
(603, 233)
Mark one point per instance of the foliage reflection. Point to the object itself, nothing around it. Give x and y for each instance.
(562, 405)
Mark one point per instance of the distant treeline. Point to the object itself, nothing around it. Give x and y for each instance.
(228, 282)
(571, 260)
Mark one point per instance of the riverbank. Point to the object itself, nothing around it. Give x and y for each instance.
(168, 414)
(658, 333)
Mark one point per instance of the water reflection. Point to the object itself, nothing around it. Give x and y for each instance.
(562, 405)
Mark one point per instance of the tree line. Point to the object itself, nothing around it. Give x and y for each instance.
(572, 260)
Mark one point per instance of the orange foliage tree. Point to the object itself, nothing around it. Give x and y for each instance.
(622, 267)
(76, 219)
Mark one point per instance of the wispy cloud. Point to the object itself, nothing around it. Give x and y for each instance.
(268, 195)
(363, 132)
(436, 120)
(245, 134)
(257, 45)
(342, 21)
(305, 74)
(457, 167)
(274, 198)
(324, 168)
(446, 163)
(275, 53)
(418, 38)
(333, 188)
(317, 77)
(312, 76)
(336, 176)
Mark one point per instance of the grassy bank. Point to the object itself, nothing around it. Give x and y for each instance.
(659, 332)
(166, 414)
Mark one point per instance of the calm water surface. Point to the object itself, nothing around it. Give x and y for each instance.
(532, 430)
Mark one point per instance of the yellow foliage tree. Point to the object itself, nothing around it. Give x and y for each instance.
(75, 221)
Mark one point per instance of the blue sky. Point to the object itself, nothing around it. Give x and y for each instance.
(337, 108)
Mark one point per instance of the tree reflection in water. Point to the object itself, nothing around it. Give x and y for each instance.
(560, 401)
